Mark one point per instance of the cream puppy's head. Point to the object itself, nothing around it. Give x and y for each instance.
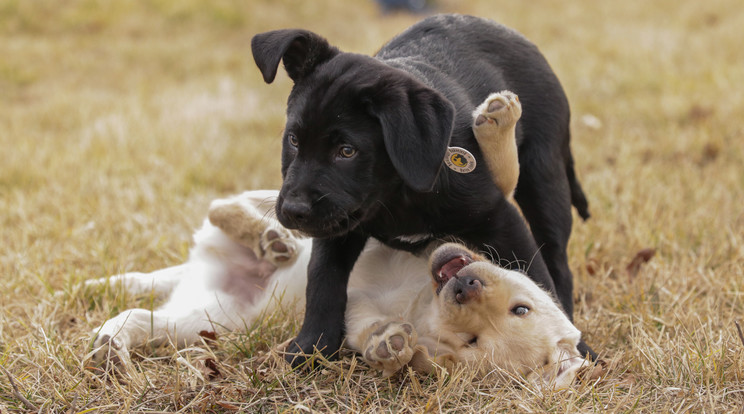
(504, 319)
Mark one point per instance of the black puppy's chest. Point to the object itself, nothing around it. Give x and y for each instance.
(459, 204)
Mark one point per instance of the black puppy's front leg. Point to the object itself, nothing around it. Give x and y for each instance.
(327, 278)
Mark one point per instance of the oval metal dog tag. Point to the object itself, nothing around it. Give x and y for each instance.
(459, 160)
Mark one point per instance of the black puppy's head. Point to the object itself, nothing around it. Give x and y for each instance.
(357, 131)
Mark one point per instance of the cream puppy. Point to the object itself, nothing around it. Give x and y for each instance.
(458, 308)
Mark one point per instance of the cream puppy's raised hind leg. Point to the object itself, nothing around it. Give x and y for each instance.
(494, 126)
(242, 265)
(247, 218)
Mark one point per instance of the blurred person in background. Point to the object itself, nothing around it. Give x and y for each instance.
(412, 6)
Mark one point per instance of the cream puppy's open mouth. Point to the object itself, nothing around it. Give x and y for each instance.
(449, 271)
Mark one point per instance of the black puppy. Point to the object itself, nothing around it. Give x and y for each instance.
(364, 146)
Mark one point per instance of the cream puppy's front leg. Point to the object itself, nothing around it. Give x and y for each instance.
(386, 344)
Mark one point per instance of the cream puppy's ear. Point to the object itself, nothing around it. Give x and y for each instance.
(565, 362)
(568, 361)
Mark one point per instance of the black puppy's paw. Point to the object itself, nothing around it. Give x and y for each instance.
(302, 351)
(586, 351)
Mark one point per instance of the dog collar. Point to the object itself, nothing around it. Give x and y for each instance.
(459, 160)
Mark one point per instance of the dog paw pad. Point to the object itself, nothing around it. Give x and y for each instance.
(272, 235)
(383, 351)
(500, 111)
(397, 343)
(496, 105)
(390, 347)
(278, 245)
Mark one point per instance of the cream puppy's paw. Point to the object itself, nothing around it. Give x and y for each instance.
(240, 224)
(109, 351)
(278, 246)
(390, 347)
(498, 113)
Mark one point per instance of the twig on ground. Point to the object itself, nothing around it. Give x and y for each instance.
(17, 394)
(738, 328)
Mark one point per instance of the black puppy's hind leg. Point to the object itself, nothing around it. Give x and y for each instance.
(578, 199)
(544, 197)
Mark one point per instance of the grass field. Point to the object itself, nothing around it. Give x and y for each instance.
(120, 121)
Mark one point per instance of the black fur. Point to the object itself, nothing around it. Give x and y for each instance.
(395, 114)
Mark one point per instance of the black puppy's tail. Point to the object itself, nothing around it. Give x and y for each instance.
(578, 199)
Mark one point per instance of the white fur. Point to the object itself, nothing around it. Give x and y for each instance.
(224, 285)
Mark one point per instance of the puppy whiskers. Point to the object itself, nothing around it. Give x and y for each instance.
(351, 222)
(527, 267)
(492, 254)
(321, 197)
(270, 213)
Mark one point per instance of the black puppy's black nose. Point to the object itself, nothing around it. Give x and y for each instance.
(467, 288)
(296, 210)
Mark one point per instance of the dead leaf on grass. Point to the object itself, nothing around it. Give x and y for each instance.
(210, 369)
(592, 267)
(627, 381)
(208, 336)
(594, 371)
(643, 256)
(227, 406)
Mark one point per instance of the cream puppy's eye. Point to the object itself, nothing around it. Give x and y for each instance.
(520, 310)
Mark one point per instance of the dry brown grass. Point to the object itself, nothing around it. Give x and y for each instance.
(119, 121)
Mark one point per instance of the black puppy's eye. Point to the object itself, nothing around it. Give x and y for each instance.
(347, 151)
(293, 141)
(520, 310)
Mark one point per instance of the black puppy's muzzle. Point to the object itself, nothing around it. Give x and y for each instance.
(312, 217)
(294, 213)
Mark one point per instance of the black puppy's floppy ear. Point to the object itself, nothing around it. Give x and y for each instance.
(301, 51)
(417, 123)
